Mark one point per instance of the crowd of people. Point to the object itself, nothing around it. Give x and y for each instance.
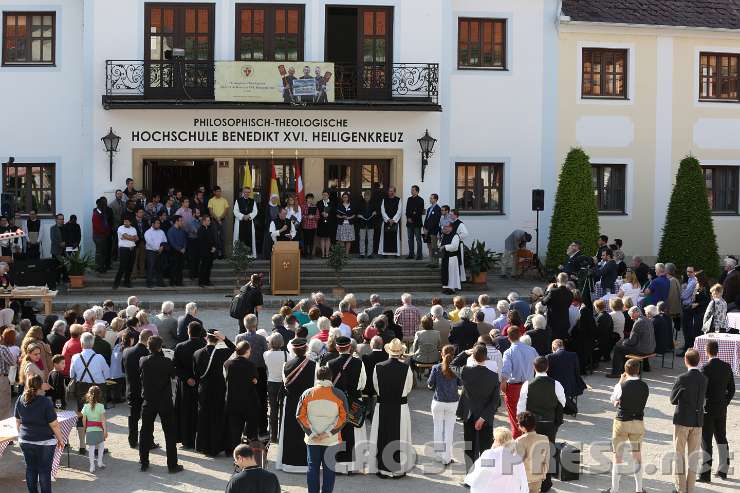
(157, 238)
(331, 386)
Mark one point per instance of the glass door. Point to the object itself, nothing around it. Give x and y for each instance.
(375, 51)
(186, 27)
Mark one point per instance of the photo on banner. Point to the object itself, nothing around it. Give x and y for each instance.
(275, 82)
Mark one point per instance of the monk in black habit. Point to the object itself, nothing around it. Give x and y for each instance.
(209, 373)
(186, 393)
(298, 376)
(242, 401)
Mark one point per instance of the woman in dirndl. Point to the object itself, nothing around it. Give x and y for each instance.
(346, 222)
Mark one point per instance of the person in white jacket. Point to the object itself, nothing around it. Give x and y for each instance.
(499, 468)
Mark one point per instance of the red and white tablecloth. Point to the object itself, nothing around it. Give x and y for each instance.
(67, 421)
(729, 349)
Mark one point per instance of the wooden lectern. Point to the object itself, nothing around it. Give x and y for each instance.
(285, 269)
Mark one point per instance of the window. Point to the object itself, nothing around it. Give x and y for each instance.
(722, 188)
(32, 187)
(269, 32)
(718, 76)
(479, 187)
(481, 43)
(609, 183)
(28, 38)
(604, 73)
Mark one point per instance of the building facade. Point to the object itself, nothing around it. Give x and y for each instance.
(500, 84)
(639, 91)
(402, 68)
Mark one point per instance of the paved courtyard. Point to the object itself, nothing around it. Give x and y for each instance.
(203, 474)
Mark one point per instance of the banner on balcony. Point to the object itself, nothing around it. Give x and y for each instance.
(275, 82)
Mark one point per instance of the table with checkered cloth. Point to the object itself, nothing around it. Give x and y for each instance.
(729, 349)
(67, 421)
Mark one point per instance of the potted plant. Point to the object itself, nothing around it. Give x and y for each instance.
(76, 265)
(240, 260)
(337, 261)
(480, 260)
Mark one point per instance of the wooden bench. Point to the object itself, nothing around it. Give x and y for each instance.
(640, 358)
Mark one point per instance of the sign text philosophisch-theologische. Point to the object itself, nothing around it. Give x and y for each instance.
(262, 130)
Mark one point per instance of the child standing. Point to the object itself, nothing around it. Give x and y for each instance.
(56, 381)
(93, 421)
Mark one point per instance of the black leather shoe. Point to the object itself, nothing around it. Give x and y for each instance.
(704, 478)
(176, 469)
(721, 474)
(154, 446)
(144, 467)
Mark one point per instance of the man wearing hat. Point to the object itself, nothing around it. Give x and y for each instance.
(209, 375)
(377, 355)
(391, 429)
(350, 378)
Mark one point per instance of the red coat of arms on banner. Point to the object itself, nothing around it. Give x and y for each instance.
(247, 71)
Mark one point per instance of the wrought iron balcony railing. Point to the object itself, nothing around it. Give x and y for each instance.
(183, 80)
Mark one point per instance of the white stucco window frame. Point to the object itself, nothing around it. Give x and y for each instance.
(629, 186)
(631, 65)
(732, 105)
(508, 16)
(58, 52)
(505, 207)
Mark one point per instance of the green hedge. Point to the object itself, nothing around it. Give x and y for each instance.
(688, 233)
(574, 216)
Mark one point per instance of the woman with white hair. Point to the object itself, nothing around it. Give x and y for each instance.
(316, 349)
(56, 337)
(441, 324)
(499, 468)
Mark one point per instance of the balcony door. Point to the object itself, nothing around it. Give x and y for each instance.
(170, 27)
(359, 40)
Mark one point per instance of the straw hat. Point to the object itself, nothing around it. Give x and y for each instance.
(395, 348)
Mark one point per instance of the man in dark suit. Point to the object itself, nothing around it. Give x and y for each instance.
(431, 229)
(186, 394)
(557, 300)
(414, 214)
(130, 363)
(157, 373)
(576, 259)
(607, 271)
(207, 248)
(464, 333)
(377, 355)
(183, 322)
(481, 392)
(540, 335)
(688, 395)
(563, 366)
(720, 390)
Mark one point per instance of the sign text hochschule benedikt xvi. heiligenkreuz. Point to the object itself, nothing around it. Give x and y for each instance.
(268, 130)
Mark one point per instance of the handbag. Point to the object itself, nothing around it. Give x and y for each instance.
(708, 325)
(356, 412)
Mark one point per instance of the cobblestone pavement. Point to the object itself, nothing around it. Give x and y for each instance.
(203, 474)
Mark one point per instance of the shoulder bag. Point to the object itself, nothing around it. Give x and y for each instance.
(356, 412)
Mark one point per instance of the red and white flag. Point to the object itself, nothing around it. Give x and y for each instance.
(300, 194)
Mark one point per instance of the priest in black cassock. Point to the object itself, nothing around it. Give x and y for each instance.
(350, 378)
(452, 270)
(245, 213)
(390, 234)
(242, 401)
(33, 235)
(298, 376)
(208, 366)
(391, 429)
(186, 392)
(207, 247)
(282, 228)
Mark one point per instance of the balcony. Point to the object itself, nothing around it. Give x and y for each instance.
(184, 84)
